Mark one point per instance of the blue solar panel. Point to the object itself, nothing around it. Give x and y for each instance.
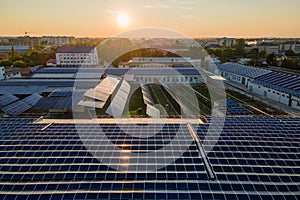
(253, 158)
(153, 71)
(58, 102)
(281, 82)
(61, 93)
(63, 103)
(57, 70)
(23, 90)
(237, 111)
(33, 99)
(16, 108)
(243, 70)
(7, 99)
(232, 108)
(46, 103)
(230, 103)
(51, 83)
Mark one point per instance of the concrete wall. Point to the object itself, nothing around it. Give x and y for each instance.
(270, 93)
(296, 102)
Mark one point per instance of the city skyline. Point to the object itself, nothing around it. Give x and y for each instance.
(203, 18)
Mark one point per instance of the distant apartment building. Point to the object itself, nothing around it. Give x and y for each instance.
(160, 62)
(22, 41)
(6, 49)
(58, 40)
(228, 41)
(76, 56)
(6, 73)
(290, 45)
(19, 49)
(268, 47)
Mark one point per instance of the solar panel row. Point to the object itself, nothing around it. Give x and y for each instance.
(7, 99)
(253, 158)
(51, 83)
(55, 102)
(32, 99)
(286, 83)
(16, 108)
(232, 108)
(24, 90)
(122, 71)
(243, 70)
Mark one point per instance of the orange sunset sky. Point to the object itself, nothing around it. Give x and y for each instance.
(195, 18)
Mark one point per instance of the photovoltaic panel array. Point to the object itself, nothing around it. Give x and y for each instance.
(24, 90)
(286, 83)
(7, 99)
(57, 70)
(46, 103)
(121, 71)
(231, 107)
(254, 158)
(243, 70)
(256, 155)
(32, 99)
(61, 93)
(51, 83)
(57, 103)
(16, 108)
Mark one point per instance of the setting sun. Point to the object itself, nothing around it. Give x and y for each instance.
(123, 20)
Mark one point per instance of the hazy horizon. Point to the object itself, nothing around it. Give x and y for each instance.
(196, 19)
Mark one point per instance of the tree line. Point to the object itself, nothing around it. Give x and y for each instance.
(289, 59)
(38, 56)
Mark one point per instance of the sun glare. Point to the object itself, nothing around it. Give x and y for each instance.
(123, 20)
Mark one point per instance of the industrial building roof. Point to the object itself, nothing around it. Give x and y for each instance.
(243, 70)
(282, 82)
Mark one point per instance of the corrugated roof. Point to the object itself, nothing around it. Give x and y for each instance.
(74, 49)
(286, 83)
(121, 71)
(243, 70)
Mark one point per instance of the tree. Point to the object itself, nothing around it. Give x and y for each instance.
(227, 54)
(271, 59)
(224, 45)
(6, 63)
(262, 54)
(19, 64)
(217, 52)
(290, 53)
(254, 51)
(289, 63)
(240, 47)
(14, 55)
